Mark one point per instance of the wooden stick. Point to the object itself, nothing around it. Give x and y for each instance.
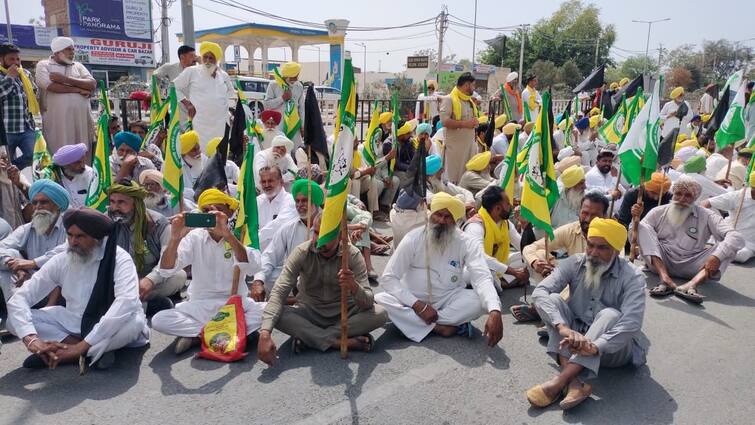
(427, 255)
(309, 190)
(728, 166)
(660, 197)
(633, 251)
(739, 208)
(344, 290)
(236, 278)
(613, 200)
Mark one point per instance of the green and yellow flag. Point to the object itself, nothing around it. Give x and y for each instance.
(253, 128)
(540, 190)
(340, 166)
(505, 102)
(173, 166)
(394, 130)
(247, 215)
(508, 170)
(613, 129)
(374, 135)
(158, 109)
(42, 166)
(291, 119)
(97, 193)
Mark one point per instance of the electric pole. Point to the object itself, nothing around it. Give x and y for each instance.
(187, 21)
(441, 28)
(597, 49)
(474, 34)
(164, 34)
(660, 54)
(7, 19)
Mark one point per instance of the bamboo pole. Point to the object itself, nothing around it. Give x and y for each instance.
(344, 290)
(427, 255)
(615, 188)
(633, 251)
(660, 196)
(236, 278)
(739, 208)
(728, 166)
(309, 189)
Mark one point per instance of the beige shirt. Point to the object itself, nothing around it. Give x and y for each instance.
(568, 237)
(459, 135)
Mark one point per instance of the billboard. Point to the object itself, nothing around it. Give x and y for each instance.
(418, 62)
(30, 37)
(99, 51)
(111, 19)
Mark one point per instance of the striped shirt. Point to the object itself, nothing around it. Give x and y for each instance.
(14, 105)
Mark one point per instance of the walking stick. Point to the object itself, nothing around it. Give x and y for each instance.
(613, 200)
(739, 208)
(633, 251)
(427, 255)
(309, 189)
(660, 197)
(344, 290)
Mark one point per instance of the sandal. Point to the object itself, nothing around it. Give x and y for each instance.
(576, 396)
(690, 295)
(516, 283)
(536, 396)
(661, 290)
(370, 343)
(297, 346)
(524, 313)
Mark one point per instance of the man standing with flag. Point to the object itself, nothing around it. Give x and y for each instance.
(676, 114)
(285, 94)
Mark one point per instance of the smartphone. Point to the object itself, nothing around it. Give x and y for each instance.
(199, 220)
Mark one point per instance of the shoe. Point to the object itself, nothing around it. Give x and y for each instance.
(34, 362)
(158, 304)
(465, 329)
(576, 396)
(183, 344)
(542, 332)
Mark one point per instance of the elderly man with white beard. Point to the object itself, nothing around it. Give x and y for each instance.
(288, 236)
(278, 155)
(125, 162)
(74, 174)
(31, 245)
(674, 242)
(193, 161)
(157, 197)
(599, 326)
(102, 312)
(566, 209)
(441, 305)
(275, 206)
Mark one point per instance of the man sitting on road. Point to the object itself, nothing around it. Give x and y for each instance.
(443, 305)
(674, 242)
(99, 283)
(566, 209)
(600, 324)
(477, 177)
(742, 212)
(274, 205)
(74, 174)
(125, 162)
(315, 319)
(212, 254)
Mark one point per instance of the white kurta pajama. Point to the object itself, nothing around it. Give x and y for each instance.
(124, 324)
(287, 237)
(210, 288)
(272, 213)
(405, 282)
(211, 98)
(274, 100)
(477, 231)
(78, 186)
(730, 202)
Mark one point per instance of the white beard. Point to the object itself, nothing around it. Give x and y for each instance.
(42, 220)
(210, 68)
(153, 199)
(594, 271)
(574, 199)
(78, 257)
(438, 237)
(677, 214)
(195, 163)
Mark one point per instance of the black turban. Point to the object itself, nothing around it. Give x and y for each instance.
(90, 221)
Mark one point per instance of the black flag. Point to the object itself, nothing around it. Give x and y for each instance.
(630, 89)
(593, 81)
(489, 132)
(314, 133)
(213, 175)
(236, 141)
(416, 186)
(666, 148)
(718, 115)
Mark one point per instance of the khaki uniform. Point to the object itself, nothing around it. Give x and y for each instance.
(460, 144)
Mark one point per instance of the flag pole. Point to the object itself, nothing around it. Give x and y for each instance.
(427, 255)
(635, 221)
(739, 208)
(344, 290)
(309, 189)
(728, 166)
(660, 196)
(615, 188)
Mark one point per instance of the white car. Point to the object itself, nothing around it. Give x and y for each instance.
(254, 89)
(328, 93)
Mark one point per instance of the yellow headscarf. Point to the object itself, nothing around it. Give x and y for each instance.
(501, 120)
(210, 47)
(594, 121)
(443, 200)
(479, 162)
(609, 229)
(385, 117)
(572, 175)
(405, 129)
(457, 96)
(212, 146)
(31, 97)
(290, 69)
(216, 197)
(678, 91)
(188, 141)
(496, 242)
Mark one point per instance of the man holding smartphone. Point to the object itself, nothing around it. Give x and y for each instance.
(212, 252)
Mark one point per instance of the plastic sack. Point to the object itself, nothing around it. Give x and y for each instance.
(224, 337)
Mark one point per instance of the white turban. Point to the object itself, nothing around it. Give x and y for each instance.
(511, 77)
(685, 182)
(284, 141)
(59, 43)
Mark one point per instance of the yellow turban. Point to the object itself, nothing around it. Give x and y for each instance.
(413, 124)
(444, 201)
(614, 86)
(594, 111)
(216, 197)
(681, 137)
(752, 179)
(500, 120)
(290, 69)
(386, 117)
(611, 230)
(624, 81)
(432, 83)
(572, 175)
(678, 91)
(483, 119)
(690, 142)
(212, 146)
(594, 121)
(188, 141)
(705, 118)
(658, 183)
(510, 128)
(210, 47)
(405, 129)
(479, 162)
(528, 127)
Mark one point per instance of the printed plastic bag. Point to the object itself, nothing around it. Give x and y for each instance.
(224, 337)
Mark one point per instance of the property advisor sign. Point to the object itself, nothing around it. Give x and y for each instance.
(111, 19)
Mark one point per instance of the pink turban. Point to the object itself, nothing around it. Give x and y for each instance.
(69, 154)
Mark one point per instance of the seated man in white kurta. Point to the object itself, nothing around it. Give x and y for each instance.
(213, 253)
(443, 305)
(99, 283)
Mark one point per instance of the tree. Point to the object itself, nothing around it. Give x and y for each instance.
(570, 74)
(722, 58)
(571, 33)
(547, 73)
(688, 57)
(636, 65)
(679, 76)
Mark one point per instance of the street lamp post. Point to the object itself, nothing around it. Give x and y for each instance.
(319, 78)
(647, 44)
(364, 68)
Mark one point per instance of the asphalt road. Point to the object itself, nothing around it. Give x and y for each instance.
(700, 371)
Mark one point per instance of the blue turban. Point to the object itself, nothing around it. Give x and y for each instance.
(130, 139)
(52, 190)
(583, 123)
(438, 125)
(432, 164)
(424, 128)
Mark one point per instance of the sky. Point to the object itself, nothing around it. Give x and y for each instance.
(692, 21)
